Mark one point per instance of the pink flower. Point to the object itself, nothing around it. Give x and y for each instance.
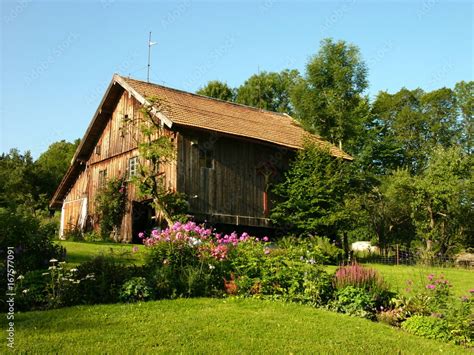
(141, 235)
(135, 249)
(267, 251)
(430, 287)
(430, 277)
(265, 239)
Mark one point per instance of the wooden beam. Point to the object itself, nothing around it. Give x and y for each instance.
(165, 120)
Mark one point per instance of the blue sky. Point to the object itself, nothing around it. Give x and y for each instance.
(57, 57)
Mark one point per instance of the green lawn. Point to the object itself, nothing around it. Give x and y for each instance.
(79, 252)
(397, 276)
(212, 326)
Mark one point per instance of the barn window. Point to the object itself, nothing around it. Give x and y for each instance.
(102, 177)
(206, 158)
(97, 149)
(132, 167)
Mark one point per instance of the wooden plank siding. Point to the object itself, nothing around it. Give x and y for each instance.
(116, 145)
(232, 190)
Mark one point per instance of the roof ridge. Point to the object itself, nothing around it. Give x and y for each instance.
(210, 98)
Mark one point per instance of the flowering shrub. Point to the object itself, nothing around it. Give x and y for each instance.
(188, 259)
(358, 276)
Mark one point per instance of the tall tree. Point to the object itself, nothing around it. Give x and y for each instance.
(17, 180)
(53, 164)
(330, 97)
(218, 90)
(410, 124)
(441, 199)
(269, 90)
(465, 97)
(311, 196)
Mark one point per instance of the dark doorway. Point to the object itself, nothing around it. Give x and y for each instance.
(142, 219)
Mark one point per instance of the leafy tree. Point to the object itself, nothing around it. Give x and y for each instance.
(218, 90)
(465, 96)
(53, 164)
(17, 180)
(410, 124)
(311, 196)
(269, 90)
(438, 201)
(330, 98)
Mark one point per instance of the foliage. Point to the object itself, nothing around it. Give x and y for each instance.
(428, 327)
(269, 90)
(310, 199)
(329, 99)
(134, 290)
(31, 237)
(218, 90)
(190, 260)
(156, 148)
(411, 124)
(110, 202)
(24, 181)
(53, 164)
(354, 301)
(358, 276)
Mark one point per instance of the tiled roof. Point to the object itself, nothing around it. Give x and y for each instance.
(197, 111)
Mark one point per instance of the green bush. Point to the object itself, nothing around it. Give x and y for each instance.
(134, 290)
(354, 301)
(32, 239)
(288, 272)
(99, 280)
(428, 327)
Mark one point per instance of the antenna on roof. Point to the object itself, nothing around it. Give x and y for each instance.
(150, 43)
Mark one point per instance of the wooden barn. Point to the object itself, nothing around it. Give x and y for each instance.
(226, 156)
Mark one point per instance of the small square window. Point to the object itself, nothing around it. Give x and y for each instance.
(132, 167)
(102, 177)
(206, 158)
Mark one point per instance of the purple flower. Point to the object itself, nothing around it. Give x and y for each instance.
(265, 239)
(430, 287)
(430, 277)
(141, 235)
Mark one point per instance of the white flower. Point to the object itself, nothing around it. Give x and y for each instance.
(53, 261)
(194, 241)
(25, 291)
(73, 270)
(52, 268)
(62, 263)
(212, 267)
(21, 277)
(45, 273)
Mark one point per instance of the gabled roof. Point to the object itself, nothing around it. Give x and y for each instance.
(191, 110)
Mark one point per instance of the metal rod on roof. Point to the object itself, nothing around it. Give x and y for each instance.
(150, 43)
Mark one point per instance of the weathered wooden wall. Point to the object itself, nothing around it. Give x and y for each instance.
(116, 145)
(232, 191)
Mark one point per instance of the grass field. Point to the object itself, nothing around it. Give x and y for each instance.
(79, 252)
(461, 279)
(212, 326)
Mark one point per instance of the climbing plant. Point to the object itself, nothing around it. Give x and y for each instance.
(110, 203)
(156, 149)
